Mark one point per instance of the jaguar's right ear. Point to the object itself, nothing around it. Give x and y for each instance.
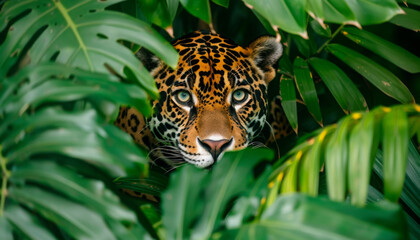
(149, 60)
(265, 52)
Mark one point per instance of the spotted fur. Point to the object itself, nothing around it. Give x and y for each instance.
(279, 124)
(212, 74)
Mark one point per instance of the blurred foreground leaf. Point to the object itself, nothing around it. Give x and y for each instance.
(302, 217)
(191, 187)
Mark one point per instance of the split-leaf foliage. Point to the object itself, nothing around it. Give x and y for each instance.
(66, 66)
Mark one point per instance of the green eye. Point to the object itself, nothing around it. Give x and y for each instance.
(239, 96)
(183, 97)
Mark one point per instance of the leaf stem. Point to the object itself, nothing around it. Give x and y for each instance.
(72, 25)
(285, 73)
(329, 40)
(5, 177)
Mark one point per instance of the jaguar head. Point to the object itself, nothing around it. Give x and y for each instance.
(216, 98)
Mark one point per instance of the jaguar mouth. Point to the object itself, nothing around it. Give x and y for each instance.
(175, 156)
(198, 160)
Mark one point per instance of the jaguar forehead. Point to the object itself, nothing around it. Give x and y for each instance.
(211, 66)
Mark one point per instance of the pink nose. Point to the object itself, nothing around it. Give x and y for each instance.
(215, 148)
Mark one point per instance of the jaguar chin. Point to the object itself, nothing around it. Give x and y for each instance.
(214, 101)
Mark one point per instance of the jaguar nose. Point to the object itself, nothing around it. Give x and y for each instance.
(215, 147)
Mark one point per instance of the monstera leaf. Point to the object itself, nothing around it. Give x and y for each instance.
(59, 154)
(78, 34)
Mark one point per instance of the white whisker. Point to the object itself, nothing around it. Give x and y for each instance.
(274, 137)
(176, 166)
(257, 145)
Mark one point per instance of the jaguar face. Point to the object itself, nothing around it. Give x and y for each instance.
(216, 98)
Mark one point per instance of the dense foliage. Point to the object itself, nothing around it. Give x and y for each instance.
(66, 66)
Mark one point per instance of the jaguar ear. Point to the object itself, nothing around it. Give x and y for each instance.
(149, 60)
(265, 52)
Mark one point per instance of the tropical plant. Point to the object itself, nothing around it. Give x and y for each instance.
(66, 67)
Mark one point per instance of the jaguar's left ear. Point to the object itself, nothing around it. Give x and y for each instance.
(265, 52)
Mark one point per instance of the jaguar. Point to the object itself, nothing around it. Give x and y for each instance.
(215, 100)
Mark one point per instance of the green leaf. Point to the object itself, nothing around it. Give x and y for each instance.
(265, 23)
(289, 15)
(56, 117)
(222, 186)
(78, 38)
(323, 30)
(303, 217)
(26, 225)
(415, 2)
(285, 65)
(311, 166)
(395, 150)
(414, 228)
(409, 20)
(412, 181)
(64, 91)
(290, 180)
(357, 13)
(5, 229)
(331, 11)
(76, 220)
(306, 87)
(55, 82)
(342, 88)
(173, 8)
(288, 100)
(18, 94)
(52, 117)
(130, 232)
(247, 205)
(156, 11)
(391, 52)
(363, 144)
(336, 160)
(198, 8)
(413, 169)
(275, 183)
(379, 76)
(305, 46)
(373, 11)
(316, 11)
(223, 3)
(183, 192)
(153, 215)
(409, 195)
(91, 193)
(302, 146)
(84, 145)
(244, 208)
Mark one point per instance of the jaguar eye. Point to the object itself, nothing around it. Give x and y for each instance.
(239, 96)
(183, 97)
